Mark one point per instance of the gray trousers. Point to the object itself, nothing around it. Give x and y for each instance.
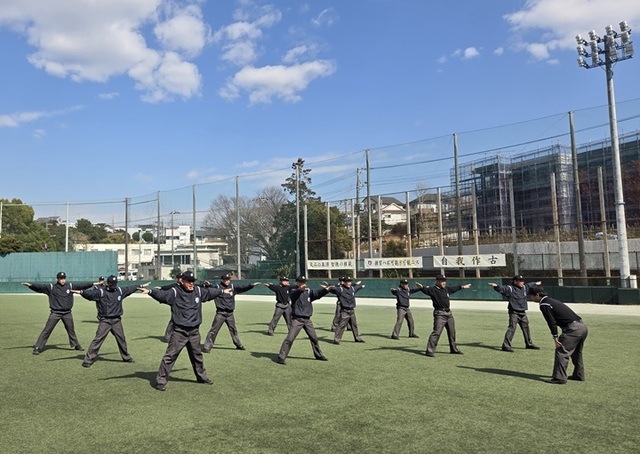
(168, 331)
(279, 312)
(572, 340)
(347, 317)
(180, 338)
(106, 326)
(218, 321)
(52, 321)
(336, 320)
(442, 320)
(516, 319)
(403, 313)
(298, 324)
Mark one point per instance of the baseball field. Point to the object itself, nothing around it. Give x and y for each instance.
(382, 396)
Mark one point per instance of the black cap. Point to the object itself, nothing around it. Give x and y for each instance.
(188, 276)
(101, 278)
(301, 278)
(341, 278)
(283, 278)
(112, 280)
(347, 279)
(404, 281)
(225, 276)
(518, 277)
(441, 277)
(61, 275)
(536, 289)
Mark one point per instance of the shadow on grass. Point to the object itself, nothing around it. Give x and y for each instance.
(30, 347)
(93, 322)
(149, 377)
(269, 355)
(509, 373)
(100, 358)
(400, 348)
(160, 338)
(481, 345)
(263, 332)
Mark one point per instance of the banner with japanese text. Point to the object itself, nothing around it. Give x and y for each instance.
(471, 261)
(338, 264)
(392, 262)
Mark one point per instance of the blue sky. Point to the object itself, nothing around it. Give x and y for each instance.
(126, 99)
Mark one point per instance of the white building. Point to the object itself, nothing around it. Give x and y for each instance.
(144, 259)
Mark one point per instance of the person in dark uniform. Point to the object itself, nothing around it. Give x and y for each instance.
(570, 343)
(60, 304)
(346, 293)
(109, 305)
(402, 294)
(442, 315)
(186, 301)
(283, 303)
(177, 283)
(517, 294)
(225, 305)
(301, 312)
(336, 317)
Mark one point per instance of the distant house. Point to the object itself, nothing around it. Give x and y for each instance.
(49, 220)
(391, 209)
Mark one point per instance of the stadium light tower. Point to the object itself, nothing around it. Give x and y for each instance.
(613, 47)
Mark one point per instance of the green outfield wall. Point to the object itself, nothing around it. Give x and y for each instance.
(43, 267)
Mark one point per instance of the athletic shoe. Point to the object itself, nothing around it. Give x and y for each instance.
(533, 347)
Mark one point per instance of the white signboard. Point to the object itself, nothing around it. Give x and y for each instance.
(392, 262)
(469, 261)
(341, 264)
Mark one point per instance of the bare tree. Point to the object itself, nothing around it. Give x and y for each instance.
(257, 216)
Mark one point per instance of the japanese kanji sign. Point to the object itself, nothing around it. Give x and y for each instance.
(339, 264)
(469, 261)
(392, 262)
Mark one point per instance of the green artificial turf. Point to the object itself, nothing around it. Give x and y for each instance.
(383, 396)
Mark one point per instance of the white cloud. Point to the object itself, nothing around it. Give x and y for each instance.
(442, 60)
(471, 52)
(465, 54)
(108, 96)
(240, 42)
(240, 39)
(283, 82)
(296, 54)
(539, 51)
(327, 17)
(97, 41)
(184, 32)
(16, 119)
(499, 51)
(553, 24)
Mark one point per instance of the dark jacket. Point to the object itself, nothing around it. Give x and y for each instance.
(402, 295)
(516, 296)
(301, 301)
(440, 296)
(556, 313)
(60, 296)
(283, 297)
(347, 295)
(109, 299)
(186, 307)
(226, 302)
